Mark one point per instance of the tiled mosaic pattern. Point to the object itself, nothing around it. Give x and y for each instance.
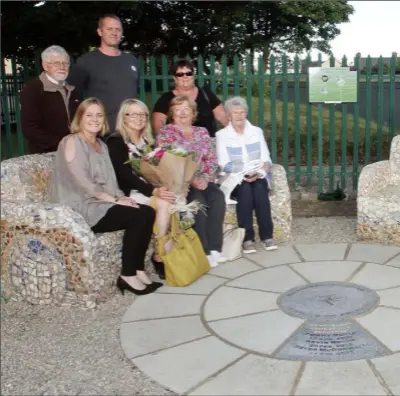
(378, 202)
(49, 253)
(280, 206)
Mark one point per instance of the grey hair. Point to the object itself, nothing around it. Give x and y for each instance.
(233, 102)
(53, 50)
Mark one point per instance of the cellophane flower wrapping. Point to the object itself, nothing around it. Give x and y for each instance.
(173, 169)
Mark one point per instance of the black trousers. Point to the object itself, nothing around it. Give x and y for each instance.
(254, 196)
(209, 225)
(138, 226)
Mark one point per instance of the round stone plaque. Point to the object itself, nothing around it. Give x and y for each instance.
(328, 301)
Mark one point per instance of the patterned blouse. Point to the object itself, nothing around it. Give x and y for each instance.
(172, 135)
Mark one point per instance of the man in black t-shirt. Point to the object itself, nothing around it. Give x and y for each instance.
(209, 107)
(107, 73)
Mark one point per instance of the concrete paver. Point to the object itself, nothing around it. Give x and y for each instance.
(223, 334)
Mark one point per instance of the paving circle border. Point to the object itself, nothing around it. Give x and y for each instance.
(248, 352)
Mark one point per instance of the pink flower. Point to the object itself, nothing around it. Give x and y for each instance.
(159, 154)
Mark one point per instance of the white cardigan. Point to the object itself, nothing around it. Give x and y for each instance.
(234, 151)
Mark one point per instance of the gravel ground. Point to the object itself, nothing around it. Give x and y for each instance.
(64, 351)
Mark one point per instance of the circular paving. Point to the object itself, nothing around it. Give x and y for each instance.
(269, 323)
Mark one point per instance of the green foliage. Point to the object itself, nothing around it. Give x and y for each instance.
(176, 27)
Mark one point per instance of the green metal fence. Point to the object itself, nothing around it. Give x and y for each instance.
(313, 142)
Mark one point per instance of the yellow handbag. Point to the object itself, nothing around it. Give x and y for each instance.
(183, 255)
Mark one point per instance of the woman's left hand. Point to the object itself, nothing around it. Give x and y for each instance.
(164, 194)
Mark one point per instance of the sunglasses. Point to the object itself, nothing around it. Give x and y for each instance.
(180, 74)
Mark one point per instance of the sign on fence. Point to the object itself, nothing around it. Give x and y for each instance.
(332, 85)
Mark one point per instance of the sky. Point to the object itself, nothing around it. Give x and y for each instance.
(374, 29)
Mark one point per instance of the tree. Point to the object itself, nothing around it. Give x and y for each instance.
(294, 26)
(176, 27)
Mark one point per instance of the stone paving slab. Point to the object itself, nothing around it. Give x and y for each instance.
(326, 251)
(338, 379)
(322, 271)
(223, 334)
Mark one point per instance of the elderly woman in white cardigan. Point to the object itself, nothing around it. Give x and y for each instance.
(238, 145)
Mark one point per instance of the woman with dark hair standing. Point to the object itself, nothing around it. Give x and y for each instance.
(209, 107)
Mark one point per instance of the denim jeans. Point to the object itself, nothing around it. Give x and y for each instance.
(209, 225)
(254, 197)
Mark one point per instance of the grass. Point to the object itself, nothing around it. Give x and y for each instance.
(347, 132)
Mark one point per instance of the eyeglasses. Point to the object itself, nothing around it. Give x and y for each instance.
(143, 116)
(59, 64)
(181, 74)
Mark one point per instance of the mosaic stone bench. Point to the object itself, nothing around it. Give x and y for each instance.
(49, 255)
(378, 201)
(280, 206)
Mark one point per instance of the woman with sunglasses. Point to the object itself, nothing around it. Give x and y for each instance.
(209, 107)
(131, 138)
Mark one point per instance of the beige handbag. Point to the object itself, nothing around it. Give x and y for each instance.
(232, 244)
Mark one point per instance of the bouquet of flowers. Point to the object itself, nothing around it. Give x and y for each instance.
(174, 169)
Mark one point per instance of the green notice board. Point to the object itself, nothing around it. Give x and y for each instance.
(332, 85)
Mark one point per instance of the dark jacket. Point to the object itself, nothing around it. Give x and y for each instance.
(127, 179)
(47, 110)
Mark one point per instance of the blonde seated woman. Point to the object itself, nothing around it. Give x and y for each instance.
(84, 179)
(132, 135)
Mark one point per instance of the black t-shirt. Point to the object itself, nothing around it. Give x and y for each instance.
(112, 79)
(205, 107)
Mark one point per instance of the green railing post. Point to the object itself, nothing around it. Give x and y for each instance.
(367, 145)
(236, 90)
(320, 141)
(6, 109)
(261, 93)
(272, 96)
(16, 97)
(224, 78)
(142, 93)
(356, 129)
(380, 110)
(212, 74)
(200, 71)
(153, 76)
(285, 128)
(164, 72)
(309, 109)
(343, 139)
(392, 96)
(332, 138)
(297, 130)
(249, 86)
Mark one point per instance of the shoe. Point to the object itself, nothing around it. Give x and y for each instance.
(269, 244)
(211, 261)
(159, 267)
(122, 286)
(249, 247)
(217, 258)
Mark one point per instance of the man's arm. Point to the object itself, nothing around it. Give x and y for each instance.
(79, 77)
(31, 117)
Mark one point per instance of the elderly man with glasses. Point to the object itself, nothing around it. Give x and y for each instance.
(48, 103)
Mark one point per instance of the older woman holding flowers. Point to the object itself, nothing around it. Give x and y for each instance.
(133, 137)
(181, 133)
(238, 146)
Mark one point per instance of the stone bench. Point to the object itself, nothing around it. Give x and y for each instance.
(49, 254)
(378, 201)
